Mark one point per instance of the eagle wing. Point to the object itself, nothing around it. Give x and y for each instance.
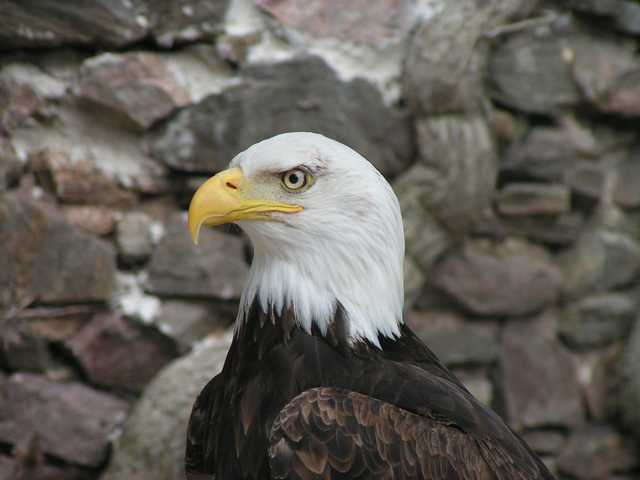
(329, 433)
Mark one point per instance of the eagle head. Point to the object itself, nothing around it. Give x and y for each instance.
(326, 230)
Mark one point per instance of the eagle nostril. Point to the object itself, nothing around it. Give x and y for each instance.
(232, 186)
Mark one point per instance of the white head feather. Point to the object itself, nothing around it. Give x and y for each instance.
(345, 248)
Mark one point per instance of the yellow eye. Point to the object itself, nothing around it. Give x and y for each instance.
(295, 179)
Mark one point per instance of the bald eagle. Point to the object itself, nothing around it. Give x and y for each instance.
(323, 379)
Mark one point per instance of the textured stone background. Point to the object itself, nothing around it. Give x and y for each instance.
(510, 130)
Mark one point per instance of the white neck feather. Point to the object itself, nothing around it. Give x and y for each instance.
(353, 260)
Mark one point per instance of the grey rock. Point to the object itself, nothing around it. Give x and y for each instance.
(73, 422)
(118, 354)
(595, 452)
(302, 94)
(548, 153)
(560, 230)
(138, 85)
(19, 101)
(35, 23)
(539, 384)
(133, 237)
(188, 323)
(455, 342)
(77, 182)
(461, 166)
(153, 441)
(425, 238)
(604, 257)
(590, 179)
(478, 384)
(10, 166)
(533, 199)
(186, 21)
(27, 353)
(508, 278)
(44, 258)
(624, 14)
(545, 442)
(445, 59)
(628, 371)
(531, 71)
(215, 269)
(597, 320)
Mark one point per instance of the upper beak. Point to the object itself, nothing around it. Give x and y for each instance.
(226, 198)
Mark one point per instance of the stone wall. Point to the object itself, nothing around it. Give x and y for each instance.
(510, 130)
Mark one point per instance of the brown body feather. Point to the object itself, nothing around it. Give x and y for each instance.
(293, 405)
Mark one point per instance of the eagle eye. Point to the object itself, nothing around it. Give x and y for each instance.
(296, 179)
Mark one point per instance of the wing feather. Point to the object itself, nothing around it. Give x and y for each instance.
(330, 433)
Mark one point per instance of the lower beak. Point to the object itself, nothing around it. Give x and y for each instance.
(226, 198)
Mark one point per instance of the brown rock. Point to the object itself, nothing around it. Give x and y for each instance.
(77, 182)
(373, 22)
(508, 278)
(215, 269)
(533, 199)
(72, 421)
(114, 353)
(35, 23)
(545, 442)
(138, 85)
(44, 258)
(95, 219)
(18, 102)
(539, 383)
(595, 452)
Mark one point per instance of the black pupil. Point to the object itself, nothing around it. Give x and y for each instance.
(293, 178)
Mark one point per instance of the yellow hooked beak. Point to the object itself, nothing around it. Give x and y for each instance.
(226, 198)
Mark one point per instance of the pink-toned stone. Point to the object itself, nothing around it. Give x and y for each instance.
(117, 354)
(373, 22)
(95, 219)
(138, 85)
(72, 421)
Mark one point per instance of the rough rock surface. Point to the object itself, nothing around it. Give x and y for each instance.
(138, 85)
(628, 372)
(302, 94)
(114, 353)
(511, 278)
(133, 237)
(82, 417)
(47, 260)
(216, 268)
(597, 320)
(34, 23)
(539, 384)
(153, 441)
(596, 452)
(533, 199)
